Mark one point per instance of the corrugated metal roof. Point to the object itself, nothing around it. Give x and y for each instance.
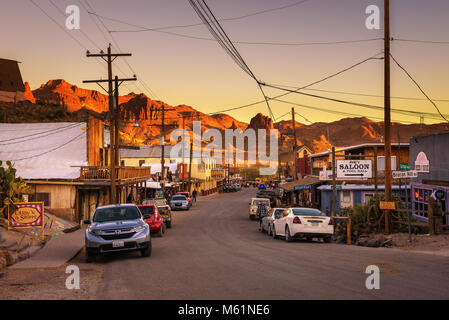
(305, 181)
(44, 150)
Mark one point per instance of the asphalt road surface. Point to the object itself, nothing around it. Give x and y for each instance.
(214, 251)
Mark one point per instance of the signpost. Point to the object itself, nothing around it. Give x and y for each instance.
(27, 215)
(361, 169)
(387, 205)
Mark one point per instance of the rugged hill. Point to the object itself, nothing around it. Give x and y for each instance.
(58, 100)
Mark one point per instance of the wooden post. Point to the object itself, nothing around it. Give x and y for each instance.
(348, 231)
(376, 190)
(334, 183)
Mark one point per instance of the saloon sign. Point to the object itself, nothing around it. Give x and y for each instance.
(27, 215)
(361, 169)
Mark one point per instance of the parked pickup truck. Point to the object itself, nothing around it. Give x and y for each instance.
(254, 204)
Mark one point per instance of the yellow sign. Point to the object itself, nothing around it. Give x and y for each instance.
(27, 215)
(387, 205)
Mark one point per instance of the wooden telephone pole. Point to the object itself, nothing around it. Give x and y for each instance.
(387, 114)
(109, 57)
(295, 147)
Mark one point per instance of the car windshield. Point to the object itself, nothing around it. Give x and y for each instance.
(147, 210)
(116, 213)
(163, 210)
(179, 198)
(184, 194)
(308, 212)
(257, 202)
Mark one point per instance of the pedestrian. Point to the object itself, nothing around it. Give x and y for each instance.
(261, 210)
(194, 195)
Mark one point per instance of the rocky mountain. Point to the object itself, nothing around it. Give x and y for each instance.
(62, 101)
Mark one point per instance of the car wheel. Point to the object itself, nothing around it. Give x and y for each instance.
(169, 224)
(90, 256)
(327, 239)
(288, 237)
(309, 239)
(160, 233)
(269, 231)
(147, 251)
(273, 233)
(260, 227)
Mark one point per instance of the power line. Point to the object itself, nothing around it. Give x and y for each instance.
(264, 43)
(420, 41)
(217, 31)
(419, 87)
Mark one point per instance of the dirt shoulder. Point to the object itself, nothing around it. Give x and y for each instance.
(423, 243)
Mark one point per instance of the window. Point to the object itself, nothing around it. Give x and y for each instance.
(346, 196)
(368, 197)
(41, 196)
(141, 162)
(122, 163)
(381, 163)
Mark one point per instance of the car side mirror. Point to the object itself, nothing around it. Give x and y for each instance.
(146, 216)
(86, 222)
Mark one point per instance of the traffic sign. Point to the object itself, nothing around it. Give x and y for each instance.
(361, 169)
(405, 174)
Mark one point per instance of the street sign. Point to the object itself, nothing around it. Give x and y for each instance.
(361, 169)
(404, 167)
(405, 174)
(387, 205)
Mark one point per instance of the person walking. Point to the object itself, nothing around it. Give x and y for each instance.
(194, 195)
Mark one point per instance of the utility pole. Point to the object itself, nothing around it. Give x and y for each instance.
(163, 143)
(109, 57)
(387, 115)
(183, 147)
(295, 147)
(334, 183)
(190, 166)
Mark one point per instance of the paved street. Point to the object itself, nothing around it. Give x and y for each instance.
(215, 252)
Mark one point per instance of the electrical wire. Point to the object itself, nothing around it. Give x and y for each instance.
(52, 131)
(420, 41)
(419, 87)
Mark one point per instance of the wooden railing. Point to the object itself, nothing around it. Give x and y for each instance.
(122, 173)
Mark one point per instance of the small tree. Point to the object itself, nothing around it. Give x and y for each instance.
(12, 188)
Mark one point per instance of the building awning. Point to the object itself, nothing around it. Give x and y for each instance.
(303, 184)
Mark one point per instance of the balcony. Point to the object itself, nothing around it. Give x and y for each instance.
(121, 173)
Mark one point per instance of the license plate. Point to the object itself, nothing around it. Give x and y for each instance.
(118, 244)
(314, 224)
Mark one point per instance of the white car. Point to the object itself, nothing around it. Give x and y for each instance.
(303, 223)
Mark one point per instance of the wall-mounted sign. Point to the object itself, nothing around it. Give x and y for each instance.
(404, 167)
(361, 169)
(27, 215)
(439, 194)
(405, 174)
(422, 163)
(304, 187)
(325, 175)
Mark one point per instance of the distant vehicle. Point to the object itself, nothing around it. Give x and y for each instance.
(188, 196)
(303, 223)
(229, 188)
(166, 215)
(118, 227)
(253, 207)
(266, 225)
(262, 186)
(237, 186)
(289, 179)
(155, 220)
(179, 202)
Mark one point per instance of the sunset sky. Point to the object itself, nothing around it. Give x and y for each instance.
(199, 73)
